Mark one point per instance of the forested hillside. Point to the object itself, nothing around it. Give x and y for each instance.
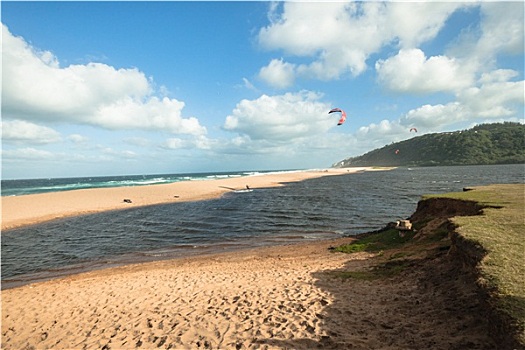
(483, 144)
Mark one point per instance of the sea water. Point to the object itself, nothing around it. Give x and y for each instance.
(33, 186)
(326, 207)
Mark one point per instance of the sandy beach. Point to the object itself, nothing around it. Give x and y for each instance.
(30, 209)
(283, 297)
(268, 298)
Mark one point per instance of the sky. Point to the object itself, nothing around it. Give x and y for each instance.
(130, 88)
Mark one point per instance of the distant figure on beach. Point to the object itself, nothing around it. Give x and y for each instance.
(247, 187)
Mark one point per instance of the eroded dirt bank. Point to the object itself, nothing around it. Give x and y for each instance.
(461, 262)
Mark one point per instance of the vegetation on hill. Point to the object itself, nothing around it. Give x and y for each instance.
(499, 143)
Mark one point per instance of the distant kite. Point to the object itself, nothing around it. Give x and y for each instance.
(343, 115)
(413, 129)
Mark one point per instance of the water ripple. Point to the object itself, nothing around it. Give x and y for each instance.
(320, 208)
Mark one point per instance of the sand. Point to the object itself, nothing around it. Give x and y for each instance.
(284, 297)
(30, 209)
(268, 298)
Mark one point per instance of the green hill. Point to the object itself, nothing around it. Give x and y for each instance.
(483, 144)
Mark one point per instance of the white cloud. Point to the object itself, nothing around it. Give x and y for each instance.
(489, 101)
(78, 139)
(435, 116)
(413, 23)
(376, 135)
(278, 74)
(292, 129)
(498, 75)
(281, 118)
(411, 71)
(28, 153)
(118, 154)
(502, 28)
(382, 129)
(154, 114)
(339, 37)
(201, 142)
(248, 84)
(494, 100)
(19, 131)
(36, 88)
(175, 143)
(500, 31)
(137, 141)
(304, 28)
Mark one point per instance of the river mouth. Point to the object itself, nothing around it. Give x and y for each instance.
(321, 208)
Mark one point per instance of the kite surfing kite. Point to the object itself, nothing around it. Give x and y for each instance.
(413, 129)
(343, 115)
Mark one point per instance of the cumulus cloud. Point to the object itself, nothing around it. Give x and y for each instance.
(500, 31)
(434, 116)
(36, 88)
(202, 142)
(19, 131)
(414, 23)
(287, 129)
(77, 138)
(411, 71)
(381, 129)
(482, 92)
(28, 153)
(376, 135)
(118, 154)
(153, 114)
(489, 101)
(494, 100)
(498, 75)
(502, 35)
(281, 118)
(137, 141)
(278, 74)
(339, 37)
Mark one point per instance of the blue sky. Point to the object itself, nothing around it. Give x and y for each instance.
(121, 88)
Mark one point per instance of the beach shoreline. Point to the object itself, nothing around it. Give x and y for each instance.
(275, 297)
(272, 297)
(32, 209)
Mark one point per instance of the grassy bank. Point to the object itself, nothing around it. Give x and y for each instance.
(489, 224)
(500, 231)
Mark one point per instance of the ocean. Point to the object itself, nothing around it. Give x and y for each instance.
(326, 207)
(33, 186)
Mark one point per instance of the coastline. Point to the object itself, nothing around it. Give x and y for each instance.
(35, 208)
(279, 297)
(288, 296)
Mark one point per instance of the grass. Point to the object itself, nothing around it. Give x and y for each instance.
(501, 233)
(377, 242)
(384, 270)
